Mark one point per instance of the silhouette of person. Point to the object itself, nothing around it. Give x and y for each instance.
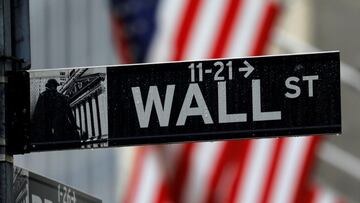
(53, 119)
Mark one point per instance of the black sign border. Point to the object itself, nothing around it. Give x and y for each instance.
(238, 134)
(18, 101)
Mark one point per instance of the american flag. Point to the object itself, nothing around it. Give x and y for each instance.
(261, 170)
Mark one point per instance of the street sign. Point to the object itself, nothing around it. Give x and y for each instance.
(32, 188)
(254, 97)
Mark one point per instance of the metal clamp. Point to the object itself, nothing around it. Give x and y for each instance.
(11, 58)
(3, 79)
(2, 142)
(6, 158)
(22, 63)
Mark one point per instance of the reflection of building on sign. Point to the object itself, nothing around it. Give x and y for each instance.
(62, 78)
(68, 109)
(20, 185)
(53, 119)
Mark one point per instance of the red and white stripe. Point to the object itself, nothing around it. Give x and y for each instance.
(147, 182)
(263, 170)
(318, 194)
(168, 17)
(202, 161)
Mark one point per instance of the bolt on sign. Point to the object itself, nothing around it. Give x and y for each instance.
(235, 98)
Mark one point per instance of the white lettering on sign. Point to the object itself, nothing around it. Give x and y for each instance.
(37, 199)
(292, 87)
(66, 194)
(291, 83)
(258, 115)
(195, 104)
(219, 73)
(310, 78)
(163, 112)
(201, 109)
(224, 117)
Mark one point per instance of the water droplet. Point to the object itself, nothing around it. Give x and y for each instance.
(137, 102)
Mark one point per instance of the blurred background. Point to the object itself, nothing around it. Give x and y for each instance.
(67, 33)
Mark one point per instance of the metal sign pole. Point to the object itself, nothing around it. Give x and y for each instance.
(14, 55)
(6, 164)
